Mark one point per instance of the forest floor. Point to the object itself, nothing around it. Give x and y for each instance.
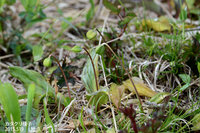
(144, 74)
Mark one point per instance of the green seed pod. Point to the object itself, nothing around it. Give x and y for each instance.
(91, 34)
(76, 49)
(47, 62)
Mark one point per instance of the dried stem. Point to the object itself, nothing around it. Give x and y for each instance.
(93, 68)
(63, 75)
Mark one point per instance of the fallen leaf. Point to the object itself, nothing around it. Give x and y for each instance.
(142, 89)
(159, 25)
(116, 92)
(76, 123)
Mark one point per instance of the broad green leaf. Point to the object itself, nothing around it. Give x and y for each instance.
(29, 76)
(186, 78)
(37, 52)
(88, 77)
(31, 93)
(110, 6)
(159, 25)
(196, 122)
(158, 98)
(9, 101)
(99, 97)
(47, 118)
(142, 89)
(116, 92)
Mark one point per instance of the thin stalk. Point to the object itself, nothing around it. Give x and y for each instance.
(104, 40)
(63, 75)
(93, 68)
(137, 94)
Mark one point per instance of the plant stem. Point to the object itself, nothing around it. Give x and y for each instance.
(104, 40)
(63, 75)
(137, 94)
(93, 68)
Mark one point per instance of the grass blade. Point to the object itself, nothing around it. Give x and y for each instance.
(9, 101)
(31, 93)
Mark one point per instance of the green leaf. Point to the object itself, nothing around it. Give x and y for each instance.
(66, 101)
(158, 98)
(110, 6)
(47, 118)
(10, 2)
(91, 11)
(198, 67)
(126, 20)
(183, 14)
(88, 77)
(9, 101)
(100, 49)
(31, 93)
(2, 2)
(29, 76)
(76, 49)
(196, 122)
(37, 52)
(186, 78)
(99, 97)
(29, 5)
(184, 87)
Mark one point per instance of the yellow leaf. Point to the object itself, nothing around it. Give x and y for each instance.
(116, 92)
(159, 25)
(142, 89)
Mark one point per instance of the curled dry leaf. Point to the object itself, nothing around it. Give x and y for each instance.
(116, 91)
(142, 89)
